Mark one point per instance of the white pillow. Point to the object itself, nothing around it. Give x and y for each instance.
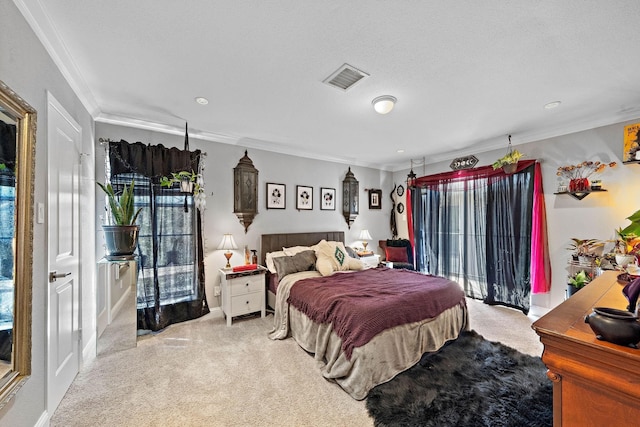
(332, 256)
(269, 260)
(293, 250)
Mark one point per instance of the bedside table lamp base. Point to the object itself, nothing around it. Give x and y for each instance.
(227, 255)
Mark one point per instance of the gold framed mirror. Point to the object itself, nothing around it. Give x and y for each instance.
(17, 161)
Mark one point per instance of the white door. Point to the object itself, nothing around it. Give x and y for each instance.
(64, 141)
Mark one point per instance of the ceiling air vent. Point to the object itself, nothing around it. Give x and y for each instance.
(345, 77)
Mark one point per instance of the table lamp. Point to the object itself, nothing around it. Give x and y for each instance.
(364, 236)
(228, 244)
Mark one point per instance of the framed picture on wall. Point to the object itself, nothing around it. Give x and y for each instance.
(327, 199)
(276, 196)
(304, 198)
(375, 199)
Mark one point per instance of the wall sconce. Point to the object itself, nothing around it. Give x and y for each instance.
(228, 244)
(245, 191)
(384, 104)
(350, 191)
(364, 236)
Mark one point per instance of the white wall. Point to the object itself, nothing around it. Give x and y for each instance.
(26, 68)
(272, 167)
(596, 216)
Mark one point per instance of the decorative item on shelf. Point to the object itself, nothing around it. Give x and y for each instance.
(596, 184)
(350, 195)
(121, 237)
(508, 162)
(614, 326)
(364, 236)
(254, 256)
(578, 175)
(245, 191)
(247, 255)
(584, 250)
(627, 248)
(577, 282)
(228, 244)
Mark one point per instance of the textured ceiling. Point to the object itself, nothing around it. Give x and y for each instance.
(466, 73)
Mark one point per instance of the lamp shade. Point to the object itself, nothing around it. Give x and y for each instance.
(364, 235)
(227, 242)
(384, 104)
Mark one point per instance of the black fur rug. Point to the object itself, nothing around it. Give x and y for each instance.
(469, 382)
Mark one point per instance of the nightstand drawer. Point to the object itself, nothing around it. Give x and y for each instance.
(246, 285)
(243, 304)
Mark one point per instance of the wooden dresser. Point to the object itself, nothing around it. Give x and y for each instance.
(595, 383)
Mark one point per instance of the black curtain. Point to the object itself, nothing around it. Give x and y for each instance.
(170, 251)
(509, 214)
(475, 228)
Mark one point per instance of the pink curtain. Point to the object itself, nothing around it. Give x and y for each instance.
(540, 264)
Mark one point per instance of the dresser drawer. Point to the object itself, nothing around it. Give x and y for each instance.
(243, 304)
(246, 285)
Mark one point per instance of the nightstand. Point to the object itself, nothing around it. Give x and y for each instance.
(243, 292)
(370, 261)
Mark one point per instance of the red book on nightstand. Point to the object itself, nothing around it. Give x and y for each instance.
(247, 267)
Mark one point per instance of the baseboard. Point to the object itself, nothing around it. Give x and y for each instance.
(43, 421)
(89, 352)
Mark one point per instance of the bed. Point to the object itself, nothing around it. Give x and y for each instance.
(355, 353)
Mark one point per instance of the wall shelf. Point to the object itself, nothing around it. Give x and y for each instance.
(579, 195)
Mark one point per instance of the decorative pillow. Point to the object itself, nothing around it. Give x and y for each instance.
(332, 256)
(352, 252)
(396, 254)
(302, 261)
(269, 259)
(297, 249)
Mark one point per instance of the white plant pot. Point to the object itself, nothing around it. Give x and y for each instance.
(624, 259)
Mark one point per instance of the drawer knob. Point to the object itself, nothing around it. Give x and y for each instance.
(246, 284)
(247, 302)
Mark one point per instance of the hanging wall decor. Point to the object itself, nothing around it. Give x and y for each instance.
(245, 191)
(350, 202)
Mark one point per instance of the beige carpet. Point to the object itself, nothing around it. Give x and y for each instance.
(202, 373)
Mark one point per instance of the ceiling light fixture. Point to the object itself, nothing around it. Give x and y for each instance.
(551, 105)
(384, 104)
(202, 101)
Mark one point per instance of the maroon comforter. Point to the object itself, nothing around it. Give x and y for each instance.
(362, 304)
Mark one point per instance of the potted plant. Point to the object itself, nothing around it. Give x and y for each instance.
(577, 282)
(625, 248)
(121, 235)
(190, 182)
(508, 162)
(584, 250)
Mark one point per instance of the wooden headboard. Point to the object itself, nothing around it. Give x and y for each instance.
(275, 242)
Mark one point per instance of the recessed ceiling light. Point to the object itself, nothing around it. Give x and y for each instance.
(400, 150)
(551, 105)
(202, 101)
